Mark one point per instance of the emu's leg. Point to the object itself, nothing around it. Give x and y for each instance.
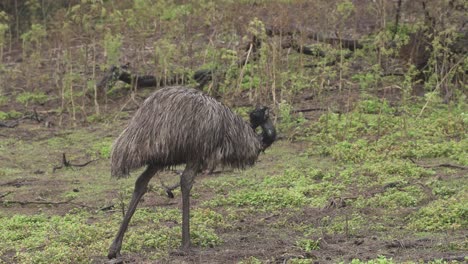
(186, 182)
(140, 189)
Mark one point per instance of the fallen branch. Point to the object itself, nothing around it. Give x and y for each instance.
(12, 124)
(446, 165)
(107, 208)
(449, 259)
(43, 202)
(351, 44)
(309, 110)
(170, 188)
(18, 182)
(66, 163)
(33, 116)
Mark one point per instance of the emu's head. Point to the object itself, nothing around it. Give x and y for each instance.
(261, 117)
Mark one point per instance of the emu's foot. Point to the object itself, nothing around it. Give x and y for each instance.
(118, 260)
(114, 256)
(184, 252)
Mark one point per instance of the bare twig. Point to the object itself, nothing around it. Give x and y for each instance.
(170, 188)
(309, 110)
(12, 124)
(66, 163)
(447, 165)
(44, 202)
(460, 258)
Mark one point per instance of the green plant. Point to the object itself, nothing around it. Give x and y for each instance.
(55, 235)
(3, 100)
(379, 260)
(442, 214)
(308, 244)
(395, 198)
(366, 80)
(34, 36)
(344, 224)
(270, 199)
(10, 115)
(102, 149)
(288, 123)
(374, 106)
(32, 97)
(300, 261)
(250, 260)
(3, 30)
(112, 45)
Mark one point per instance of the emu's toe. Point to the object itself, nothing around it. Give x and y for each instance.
(184, 251)
(115, 261)
(114, 255)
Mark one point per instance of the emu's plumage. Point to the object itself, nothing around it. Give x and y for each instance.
(178, 125)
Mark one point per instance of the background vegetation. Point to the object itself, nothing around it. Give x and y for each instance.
(369, 98)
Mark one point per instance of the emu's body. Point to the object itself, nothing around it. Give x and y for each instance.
(184, 126)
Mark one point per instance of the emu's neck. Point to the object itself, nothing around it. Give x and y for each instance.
(268, 135)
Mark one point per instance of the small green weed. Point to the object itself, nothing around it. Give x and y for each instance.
(379, 260)
(271, 199)
(59, 239)
(300, 261)
(442, 214)
(102, 149)
(3, 99)
(293, 188)
(366, 80)
(374, 106)
(344, 224)
(308, 244)
(56, 239)
(250, 260)
(10, 115)
(27, 98)
(395, 198)
(288, 123)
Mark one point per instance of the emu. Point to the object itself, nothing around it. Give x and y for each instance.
(178, 125)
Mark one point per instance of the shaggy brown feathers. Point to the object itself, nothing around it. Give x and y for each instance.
(177, 125)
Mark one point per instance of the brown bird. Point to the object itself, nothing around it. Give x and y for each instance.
(178, 125)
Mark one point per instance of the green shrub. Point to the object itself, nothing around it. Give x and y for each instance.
(3, 99)
(287, 121)
(379, 260)
(374, 106)
(34, 98)
(102, 149)
(395, 198)
(442, 214)
(10, 115)
(308, 244)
